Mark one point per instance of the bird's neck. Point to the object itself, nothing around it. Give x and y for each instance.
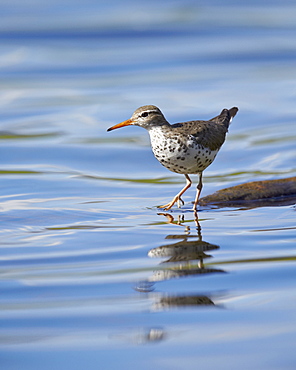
(158, 126)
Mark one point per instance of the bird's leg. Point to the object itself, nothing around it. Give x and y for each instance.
(198, 191)
(177, 198)
(179, 201)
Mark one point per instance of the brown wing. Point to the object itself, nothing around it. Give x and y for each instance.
(210, 134)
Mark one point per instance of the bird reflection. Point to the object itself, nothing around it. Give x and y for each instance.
(183, 257)
(151, 335)
(143, 336)
(182, 253)
(168, 302)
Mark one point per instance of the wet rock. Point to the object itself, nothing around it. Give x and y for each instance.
(255, 194)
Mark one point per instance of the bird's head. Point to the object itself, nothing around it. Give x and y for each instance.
(146, 117)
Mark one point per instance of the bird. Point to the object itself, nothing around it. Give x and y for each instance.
(186, 148)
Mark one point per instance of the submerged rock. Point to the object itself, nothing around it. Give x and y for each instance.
(255, 194)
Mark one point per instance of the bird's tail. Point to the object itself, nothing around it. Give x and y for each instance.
(225, 117)
(232, 112)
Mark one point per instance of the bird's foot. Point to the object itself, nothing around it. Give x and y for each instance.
(168, 206)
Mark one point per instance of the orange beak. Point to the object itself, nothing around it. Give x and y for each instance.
(122, 124)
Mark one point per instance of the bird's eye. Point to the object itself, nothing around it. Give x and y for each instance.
(144, 114)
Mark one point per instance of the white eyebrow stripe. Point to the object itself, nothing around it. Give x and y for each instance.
(149, 111)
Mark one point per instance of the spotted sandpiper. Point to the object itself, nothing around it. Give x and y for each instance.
(186, 147)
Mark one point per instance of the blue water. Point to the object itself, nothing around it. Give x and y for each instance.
(92, 275)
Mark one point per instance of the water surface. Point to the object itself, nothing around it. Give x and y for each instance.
(91, 272)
